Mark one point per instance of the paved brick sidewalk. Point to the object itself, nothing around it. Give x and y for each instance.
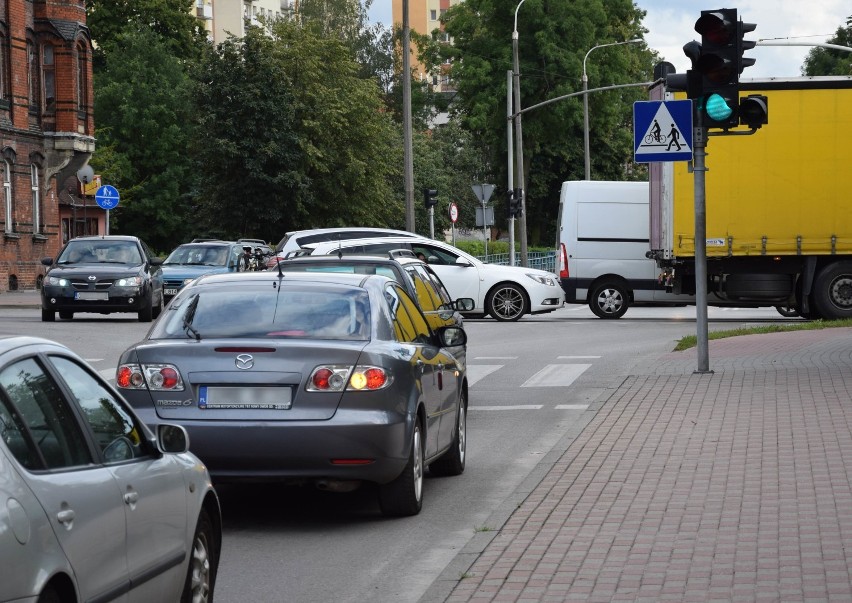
(734, 485)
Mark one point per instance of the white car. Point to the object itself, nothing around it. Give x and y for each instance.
(505, 292)
(296, 239)
(93, 505)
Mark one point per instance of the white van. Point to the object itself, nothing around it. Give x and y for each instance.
(602, 239)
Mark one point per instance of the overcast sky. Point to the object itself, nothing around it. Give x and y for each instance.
(670, 25)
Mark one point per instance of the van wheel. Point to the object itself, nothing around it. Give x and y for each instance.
(609, 300)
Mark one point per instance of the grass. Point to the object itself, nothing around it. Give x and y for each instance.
(690, 341)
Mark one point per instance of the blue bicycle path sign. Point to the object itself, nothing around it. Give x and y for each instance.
(107, 197)
(662, 131)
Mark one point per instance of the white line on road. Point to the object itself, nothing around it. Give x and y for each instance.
(572, 407)
(92, 359)
(475, 372)
(576, 357)
(556, 375)
(496, 358)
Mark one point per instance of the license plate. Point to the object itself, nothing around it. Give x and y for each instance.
(251, 398)
(170, 291)
(91, 295)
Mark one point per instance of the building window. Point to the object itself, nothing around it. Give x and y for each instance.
(32, 76)
(82, 80)
(433, 14)
(7, 196)
(4, 66)
(36, 198)
(48, 77)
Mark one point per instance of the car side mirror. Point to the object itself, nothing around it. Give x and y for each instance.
(463, 263)
(156, 261)
(452, 336)
(464, 304)
(172, 439)
(46, 261)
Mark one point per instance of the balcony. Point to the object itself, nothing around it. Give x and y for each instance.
(204, 11)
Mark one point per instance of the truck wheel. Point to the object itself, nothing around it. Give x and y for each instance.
(609, 300)
(832, 293)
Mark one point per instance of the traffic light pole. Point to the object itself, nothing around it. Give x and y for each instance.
(699, 143)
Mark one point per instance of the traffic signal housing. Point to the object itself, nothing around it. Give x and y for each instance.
(430, 197)
(718, 63)
(514, 205)
(754, 111)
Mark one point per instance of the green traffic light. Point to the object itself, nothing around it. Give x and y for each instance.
(717, 109)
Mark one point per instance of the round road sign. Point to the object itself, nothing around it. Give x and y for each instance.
(454, 212)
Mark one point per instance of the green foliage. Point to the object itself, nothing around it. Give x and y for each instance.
(690, 341)
(553, 38)
(826, 61)
(247, 149)
(142, 112)
(173, 21)
(477, 248)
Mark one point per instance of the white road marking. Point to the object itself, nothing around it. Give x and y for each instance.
(556, 375)
(510, 407)
(576, 357)
(92, 359)
(475, 372)
(108, 373)
(572, 407)
(496, 358)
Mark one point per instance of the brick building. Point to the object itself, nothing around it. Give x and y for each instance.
(46, 133)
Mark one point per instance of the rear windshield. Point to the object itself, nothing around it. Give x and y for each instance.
(314, 313)
(341, 268)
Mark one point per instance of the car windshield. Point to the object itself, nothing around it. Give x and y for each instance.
(106, 252)
(199, 255)
(235, 312)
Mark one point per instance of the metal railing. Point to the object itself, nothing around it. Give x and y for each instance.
(539, 260)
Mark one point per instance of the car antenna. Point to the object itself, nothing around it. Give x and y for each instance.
(278, 265)
(339, 250)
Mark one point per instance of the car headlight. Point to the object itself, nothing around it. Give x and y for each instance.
(59, 282)
(132, 281)
(544, 280)
(186, 281)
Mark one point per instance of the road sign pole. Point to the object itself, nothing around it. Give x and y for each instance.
(432, 222)
(106, 226)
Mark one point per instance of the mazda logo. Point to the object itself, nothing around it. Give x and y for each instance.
(93, 278)
(244, 361)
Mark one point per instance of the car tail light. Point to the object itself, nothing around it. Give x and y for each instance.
(563, 261)
(159, 377)
(335, 378)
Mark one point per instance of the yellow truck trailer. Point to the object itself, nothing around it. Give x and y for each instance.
(778, 204)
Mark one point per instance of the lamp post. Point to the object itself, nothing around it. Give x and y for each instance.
(519, 149)
(586, 103)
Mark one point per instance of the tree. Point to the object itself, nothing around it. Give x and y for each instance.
(553, 39)
(825, 61)
(143, 117)
(247, 150)
(173, 21)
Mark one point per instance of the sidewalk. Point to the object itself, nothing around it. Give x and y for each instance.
(734, 485)
(30, 298)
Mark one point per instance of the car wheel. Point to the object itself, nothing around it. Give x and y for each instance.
(146, 314)
(156, 311)
(48, 315)
(506, 302)
(788, 311)
(66, 314)
(404, 495)
(49, 595)
(452, 463)
(201, 574)
(609, 300)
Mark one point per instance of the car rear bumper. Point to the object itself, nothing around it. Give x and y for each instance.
(353, 445)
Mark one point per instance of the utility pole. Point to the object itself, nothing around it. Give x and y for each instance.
(408, 156)
(519, 142)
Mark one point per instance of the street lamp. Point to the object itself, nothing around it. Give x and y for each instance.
(519, 149)
(586, 102)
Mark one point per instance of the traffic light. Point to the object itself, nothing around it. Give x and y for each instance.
(430, 197)
(718, 62)
(754, 111)
(515, 206)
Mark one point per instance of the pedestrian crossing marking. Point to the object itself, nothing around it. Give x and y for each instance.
(475, 372)
(556, 375)
(572, 407)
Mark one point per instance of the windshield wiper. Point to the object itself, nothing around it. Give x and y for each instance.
(188, 316)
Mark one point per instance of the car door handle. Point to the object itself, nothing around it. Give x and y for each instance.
(131, 498)
(65, 517)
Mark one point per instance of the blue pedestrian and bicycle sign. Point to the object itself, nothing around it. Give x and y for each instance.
(107, 197)
(662, 131)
